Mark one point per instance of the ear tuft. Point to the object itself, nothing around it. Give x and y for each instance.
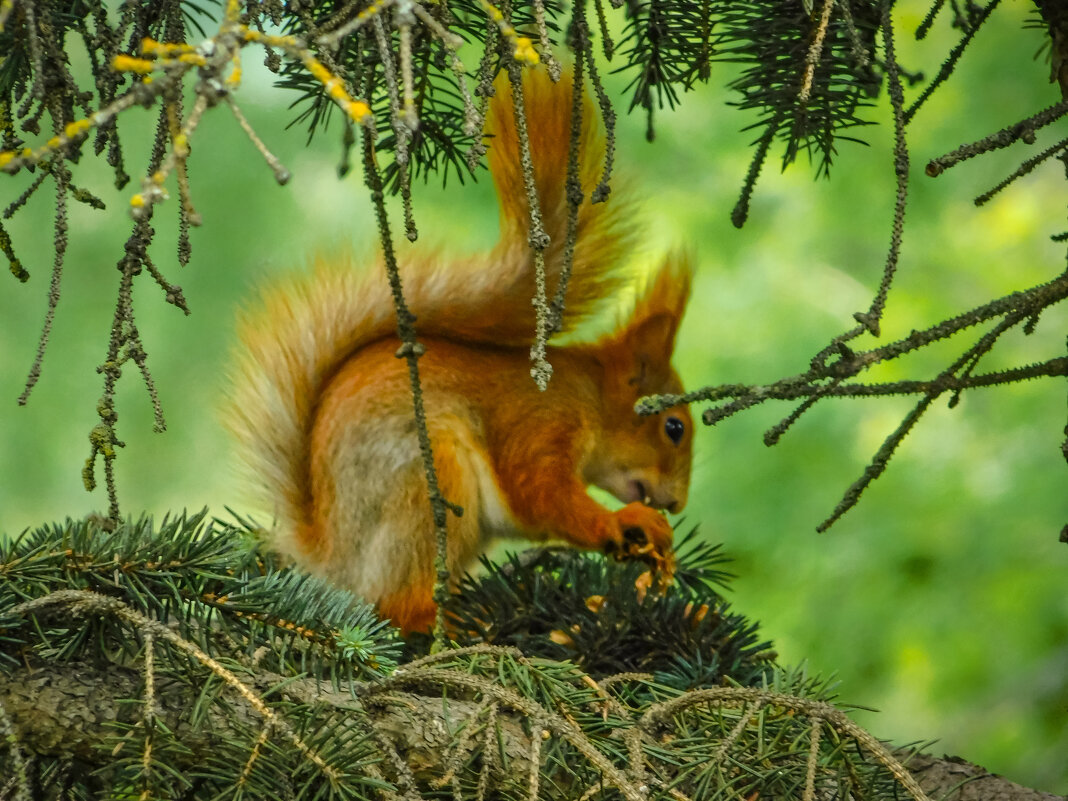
(649, 335)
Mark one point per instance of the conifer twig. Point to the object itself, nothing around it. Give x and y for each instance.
(1023, 169)
(872, 318)
(537, 237)
(951, 61)
(411, 350)
(83, 601)
(1024, 129)
(814, 52)
(662, 714)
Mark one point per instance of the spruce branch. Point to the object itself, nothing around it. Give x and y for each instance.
(1024, 129)
(829, 373)
(541, 371)
(871, 319)
(950, 64)
(573, 192)
(1024, 169)
(411, 350)
(925, 26)
(225, 704)
(62, 179)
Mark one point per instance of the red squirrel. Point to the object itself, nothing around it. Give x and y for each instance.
(322, 406)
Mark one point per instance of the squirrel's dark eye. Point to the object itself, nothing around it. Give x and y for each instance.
(674, 428)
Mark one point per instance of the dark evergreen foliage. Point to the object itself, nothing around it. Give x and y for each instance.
(562, 604)
(209, 581)
(773, 40)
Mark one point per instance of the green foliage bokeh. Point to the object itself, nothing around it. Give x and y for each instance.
(939, 600)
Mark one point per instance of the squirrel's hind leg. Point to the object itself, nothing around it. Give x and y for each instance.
(373, 499)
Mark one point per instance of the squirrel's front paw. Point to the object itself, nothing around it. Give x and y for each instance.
(640, 532)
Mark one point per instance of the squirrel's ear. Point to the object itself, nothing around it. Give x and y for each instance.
(650, 334)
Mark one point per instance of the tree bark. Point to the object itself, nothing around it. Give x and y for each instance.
(66, 710)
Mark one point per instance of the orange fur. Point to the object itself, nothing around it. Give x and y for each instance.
(322, 406)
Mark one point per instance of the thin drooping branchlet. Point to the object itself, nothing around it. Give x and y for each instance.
(573, 190)
(608, 120)
(882, 456)
(411, 350)
(62, 177)
(1024, 169)
(187, 213)
(102, 46)
(537, 237)
(950, 63)
(37, 89)
(473, 121)
(928, 21)
(774, 434)
(372, 11)
(484, 90)
(1064, 450)
(815, 50)
(607, 45)
(281, 173)
(402, 123)
(174, 30)
(828, 378)
(546, 54)
(404, 20)
(1009, 135)
(14, 262)
(740, 212)
(878, 463)
(124, 344)
(860, 51)
(20, 201)
(872, 318)
(152, 191)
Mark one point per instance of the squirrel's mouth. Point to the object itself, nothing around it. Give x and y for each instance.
(638, 490)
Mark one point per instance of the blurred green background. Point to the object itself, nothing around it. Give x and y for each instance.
(940, 600)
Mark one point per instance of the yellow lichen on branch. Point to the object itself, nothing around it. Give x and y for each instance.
(357, 110)
(124, 63)
(150, 47)
(522, 47)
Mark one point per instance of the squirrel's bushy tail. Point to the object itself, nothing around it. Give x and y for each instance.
(306, 325)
